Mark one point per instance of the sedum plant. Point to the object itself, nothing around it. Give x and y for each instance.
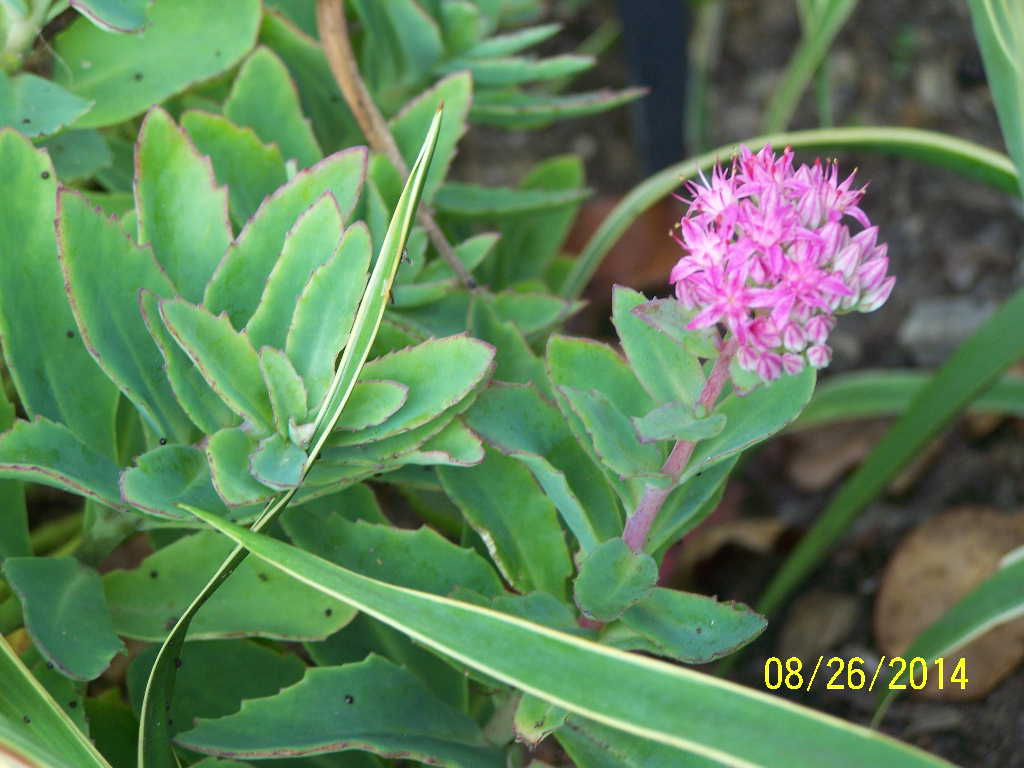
(342, 492)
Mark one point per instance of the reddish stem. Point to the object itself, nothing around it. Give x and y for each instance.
(639, 523)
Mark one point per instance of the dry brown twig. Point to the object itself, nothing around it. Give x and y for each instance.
(333, 29)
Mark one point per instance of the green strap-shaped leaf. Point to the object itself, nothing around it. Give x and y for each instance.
(466, 361)
(238, 283)
(593, 745)
(309, 244)
(33, 724)
(511, 108)
(867, 394)
(455, 92)
(43, 451)
(665, 368)
(167, 476)
(202, 405)
(250, 169)
(257, 601)
(681, 708)
(37, 107)
(224, 357)
(154, 730)
(420, 559)
(264, 98)
(325, 311)
(58, 593)
(104, 272)
(185, 42)
(997, 600)
(527, 547)
(513, 42)
(182, 212)
(48, 363)
(383, 709)
(515, 70)
(972, 368)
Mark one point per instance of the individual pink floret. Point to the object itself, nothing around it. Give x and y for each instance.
(770, 256)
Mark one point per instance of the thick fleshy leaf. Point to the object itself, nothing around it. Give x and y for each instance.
(689, 505)
(48, 363)
(146, 601)
(533, 312)
(224, 357)
(513, 42)
(676, 421)
(185, 42)
(325, 311)
(264, 98)
(228, 453)
(167, 476)
(285, 388)
(515, 109)
(114, 15)
(200, 403)
(631, 693)
(373, 705)
(46, 452)
(466, 362)
(671, 318)
(53, 739)
(528, 548)
(250, 169)
(456, 445)
(667, 370)
(278, 463)
(104, 272)
(318, 90)
(694, 629)
(182, 212)
(217, 677)
(372, 403)
(518, 422)
(471, 252)
(237, 285)
(78, 155)
(515, 70)
(14, 539)
(479, 201)
(516, 362)
(309, 244)
(37, 107)
(65, 613)
(612, 435)
(752, 418)
(528, 245)
(587, 364)
(389, 452)
(419, 559)
(409, 126)
(612, 578)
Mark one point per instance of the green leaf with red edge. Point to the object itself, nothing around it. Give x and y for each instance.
(182, 213)
(43, 451)
(371, 403)
(224, 357)
(264, 98)
(250, 169)
(312, 242)
(185, 42)
(285, 388)
(237, 284)
(612, 578)
(227, 453)
(104, 272)
(49, 365)
(58, 594)
(278, 463)
(325, 310)
(170, 475)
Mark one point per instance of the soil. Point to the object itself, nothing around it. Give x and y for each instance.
(956, 248)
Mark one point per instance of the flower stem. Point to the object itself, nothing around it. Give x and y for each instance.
(639, 523)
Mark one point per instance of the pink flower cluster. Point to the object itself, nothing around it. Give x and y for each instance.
(768, 256)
